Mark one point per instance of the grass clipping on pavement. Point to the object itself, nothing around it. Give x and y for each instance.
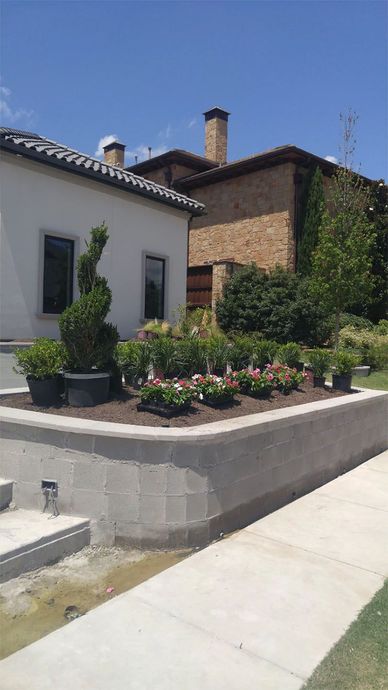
(359, 661)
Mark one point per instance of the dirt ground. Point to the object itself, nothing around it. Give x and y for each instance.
(122, 408)
(34, 604)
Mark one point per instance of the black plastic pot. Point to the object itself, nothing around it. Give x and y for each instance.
(163, 409)
(220, 402)
(115, 382)
(219, 372)
(319, 381)
(299, 366)
(342, 382)
(45, 392)
(86, 390)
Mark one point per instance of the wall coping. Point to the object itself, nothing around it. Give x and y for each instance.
(203, 432)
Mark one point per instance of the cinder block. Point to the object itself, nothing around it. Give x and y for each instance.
(30, 468)
(153, 509)
(156, 452)
(196, 481)
(28, 495)
(214, 505)
(59, 469)
(81, 443)
(187, 454)
(176, 481)
(50, 437)
(116, 448)
(176, 509)
(153, 480)
(89, 503)
(102, 532)
(89, 475)
(196, 508)
(9, 464)
(123, 507)
(122, 477)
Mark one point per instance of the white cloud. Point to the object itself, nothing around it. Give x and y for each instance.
(165, 133)
(192, 123)
(332, 159)
(104, 141)
(11, 115)
(142, 153)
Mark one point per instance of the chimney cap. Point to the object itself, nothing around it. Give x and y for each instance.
(216, 112)
(114, 145)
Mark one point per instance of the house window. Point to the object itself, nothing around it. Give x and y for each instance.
(57, 274)
(155, 276)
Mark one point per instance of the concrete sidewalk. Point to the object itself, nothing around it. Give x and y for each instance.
(256, 611)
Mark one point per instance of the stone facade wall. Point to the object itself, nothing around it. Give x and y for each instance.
(165, 488)
(249, 218)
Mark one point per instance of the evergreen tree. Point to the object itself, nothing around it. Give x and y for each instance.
(378, 215)
(311, 222)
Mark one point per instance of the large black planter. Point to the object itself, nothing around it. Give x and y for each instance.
(342, 382)
(86, 390)
(319, 381)
(45, 392)
(115, 382)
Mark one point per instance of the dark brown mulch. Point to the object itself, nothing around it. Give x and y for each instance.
(122, 407)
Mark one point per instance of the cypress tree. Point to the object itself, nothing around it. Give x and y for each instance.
(311, 222)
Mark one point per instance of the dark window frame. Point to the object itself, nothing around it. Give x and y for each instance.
(163, 260)
(73, 240)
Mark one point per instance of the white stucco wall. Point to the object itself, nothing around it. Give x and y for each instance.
(35, 197)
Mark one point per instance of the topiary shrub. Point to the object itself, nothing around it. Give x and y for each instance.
(88, 339)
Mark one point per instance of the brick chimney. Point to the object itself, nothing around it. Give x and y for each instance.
(114, 154)
(216, 134)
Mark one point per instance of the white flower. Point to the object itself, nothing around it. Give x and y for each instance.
(200, 396)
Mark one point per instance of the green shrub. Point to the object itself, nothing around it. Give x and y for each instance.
(264, 352)
(277, 304)
(217, 352)
(240, 352)
(345, 361)
(320, 361)
(289, 354)
(126, 356)
(43, 360)
(164, 355)
(369, 345)
(89, 341)
(382, 327)
(191, 355)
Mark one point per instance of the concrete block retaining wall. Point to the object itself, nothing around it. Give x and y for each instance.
(157, 487)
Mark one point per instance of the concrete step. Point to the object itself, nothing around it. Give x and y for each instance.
(29, 540)
(6, 487)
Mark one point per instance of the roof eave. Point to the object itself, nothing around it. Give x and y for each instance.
(53, 162)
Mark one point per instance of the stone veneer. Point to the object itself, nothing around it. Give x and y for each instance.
(156, 487)
(249, 218)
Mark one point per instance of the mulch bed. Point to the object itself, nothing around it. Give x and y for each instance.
(122, 408)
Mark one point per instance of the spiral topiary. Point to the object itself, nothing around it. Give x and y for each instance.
(88, 340)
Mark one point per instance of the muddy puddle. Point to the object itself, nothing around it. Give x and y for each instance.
(39, 602)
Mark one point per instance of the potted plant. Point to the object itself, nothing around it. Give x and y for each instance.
(264, 352)
(191, 356)
(320, 361)
(88, 339)
(344, 362)
(125, 359)
(218, 351)
(286, 379)
(290, 354)
(42, 364)
(256, 383)
(164, 357)
(166, 398)
(215, 391)
(240, 352)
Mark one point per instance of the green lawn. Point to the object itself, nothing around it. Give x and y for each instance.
(359, 661)
(377, 379)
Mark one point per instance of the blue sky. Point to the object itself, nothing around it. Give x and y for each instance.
(145, 71)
